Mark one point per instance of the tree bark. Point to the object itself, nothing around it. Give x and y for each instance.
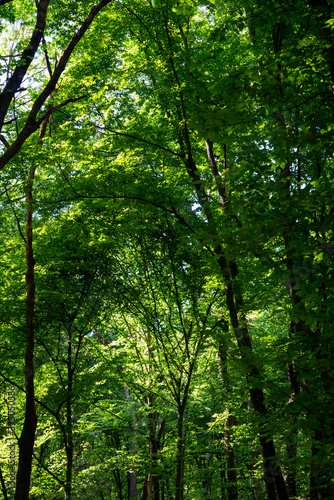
(291, 447)
(320, 480)
(272, 472)
(257, 485)
(180, 454)
(231, 475)
(132, 475)
(3, 486)
(69, 427)
(118, 481)
(14, 82)
(26, 440)
(152, 483)
(320, 484)
(132, 484)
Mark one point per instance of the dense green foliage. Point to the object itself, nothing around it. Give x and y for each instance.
(173, 161)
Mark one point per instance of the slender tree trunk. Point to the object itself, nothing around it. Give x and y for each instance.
(273, 477)
(320, 479)
(69, 423)
(118, 481)
(132, 484)
(132, 475)
(153, 481)
(156, 481)
(272, 472)
(180, 454)
(147, 493)
(181, 408)
(291, 447)
(208, 476)
(232, 479)
(231, 475)
(27, 56)
(144, 493)
(257, 485)
(222, 477)
(26, 440)
(3, 486)
(151, 488)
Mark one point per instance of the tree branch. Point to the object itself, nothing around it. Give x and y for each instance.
(4, 141)
(30, 127)
(141, 140)
(31, 124)
(14, 82)
(56, 478)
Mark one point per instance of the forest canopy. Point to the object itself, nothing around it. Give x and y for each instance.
(166, 229)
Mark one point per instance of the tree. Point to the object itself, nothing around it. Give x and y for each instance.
(12, 86)
(211, 123)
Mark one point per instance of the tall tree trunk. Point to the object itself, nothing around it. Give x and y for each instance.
(208, 476)
(181, 408)
(257, 485)
(320, 479)
(132, 475)
(118, 480)
(232, 478)
(273, 476)
(231, 474)
(222, 478)
(272, 472)
(69, 424)
(153, 480)
(151, 488)
(3, 486)
(132, 484)
(321, 487)
(26, 440)
(180, 454)
(291, 447)
(14, 82)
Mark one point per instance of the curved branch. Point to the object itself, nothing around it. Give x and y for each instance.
(31, 124)
(14, 82)
(56, 478)
(139, 139)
